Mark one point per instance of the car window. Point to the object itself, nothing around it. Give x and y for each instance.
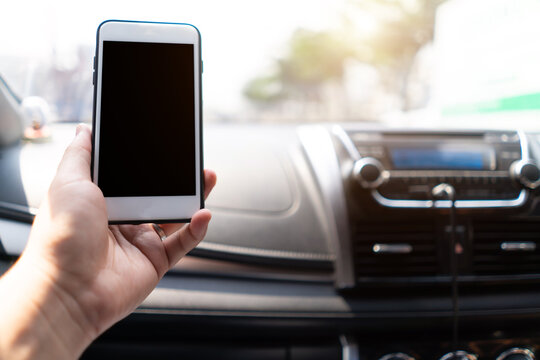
(399, 61)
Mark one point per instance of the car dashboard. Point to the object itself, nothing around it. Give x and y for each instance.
(351, 241)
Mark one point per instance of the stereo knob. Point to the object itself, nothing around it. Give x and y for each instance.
(459, 355)
(516, 354)
(397, 356)
(369, 172)
(526, 173)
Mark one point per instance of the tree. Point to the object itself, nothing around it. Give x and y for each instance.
(315, 58)
(404, 28)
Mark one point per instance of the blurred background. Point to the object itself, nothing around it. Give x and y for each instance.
(466, 63)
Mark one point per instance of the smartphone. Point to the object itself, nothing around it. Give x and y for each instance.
(147, 121)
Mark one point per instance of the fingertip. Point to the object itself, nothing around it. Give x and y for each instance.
(82, 127)
(210, 172)
(186, 238)
(75, 163)
(83, 137)
(199, 223)
(202, 215)
(210, 179)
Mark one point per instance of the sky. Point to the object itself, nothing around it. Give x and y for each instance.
(240, 38)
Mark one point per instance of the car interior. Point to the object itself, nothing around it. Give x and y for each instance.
(400, 235)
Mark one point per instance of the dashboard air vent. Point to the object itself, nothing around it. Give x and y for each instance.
(501, 248)
(395, 250)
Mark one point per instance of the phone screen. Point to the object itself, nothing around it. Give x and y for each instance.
(147, 120)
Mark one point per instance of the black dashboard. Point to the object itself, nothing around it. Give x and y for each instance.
(350, 241)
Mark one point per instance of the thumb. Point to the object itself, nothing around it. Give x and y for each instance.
(75, 164)
(182, 241)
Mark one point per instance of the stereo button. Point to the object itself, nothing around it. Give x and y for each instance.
(397, 356)
(369, 172)
(459, 355)
(516, 354)
(526, 173)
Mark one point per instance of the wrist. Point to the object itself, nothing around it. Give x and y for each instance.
(40, 319)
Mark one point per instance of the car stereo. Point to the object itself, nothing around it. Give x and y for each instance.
(401, 169)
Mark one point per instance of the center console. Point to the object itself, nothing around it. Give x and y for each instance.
(444, 221)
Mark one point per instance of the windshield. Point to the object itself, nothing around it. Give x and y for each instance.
(467, 63)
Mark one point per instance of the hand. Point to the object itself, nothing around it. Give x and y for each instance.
(97, 273)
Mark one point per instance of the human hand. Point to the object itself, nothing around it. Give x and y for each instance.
(94, 273)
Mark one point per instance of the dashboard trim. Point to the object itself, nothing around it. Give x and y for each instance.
(319, 150)
(23, 209)
(212, 246)
(446, 204)
(347, 142)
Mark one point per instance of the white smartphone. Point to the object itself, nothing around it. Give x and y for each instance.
(147, 121)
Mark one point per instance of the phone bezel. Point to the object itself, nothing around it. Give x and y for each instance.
(143, 209)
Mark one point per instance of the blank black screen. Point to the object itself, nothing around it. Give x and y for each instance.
(147, 127)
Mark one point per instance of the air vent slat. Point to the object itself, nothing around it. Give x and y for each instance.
(420, 259)
(417, 271)
(504, 258)
(489, 258)
(507, 236)
(416, 249)
(396, 261)
(402, 237)
(496, 269)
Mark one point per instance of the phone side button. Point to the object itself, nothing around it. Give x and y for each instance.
(93, 78)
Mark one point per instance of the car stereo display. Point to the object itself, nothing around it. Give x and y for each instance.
(440, 159)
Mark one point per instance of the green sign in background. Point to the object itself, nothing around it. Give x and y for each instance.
(513, 103)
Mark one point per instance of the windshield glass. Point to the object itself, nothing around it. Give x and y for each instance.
(469, 63)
